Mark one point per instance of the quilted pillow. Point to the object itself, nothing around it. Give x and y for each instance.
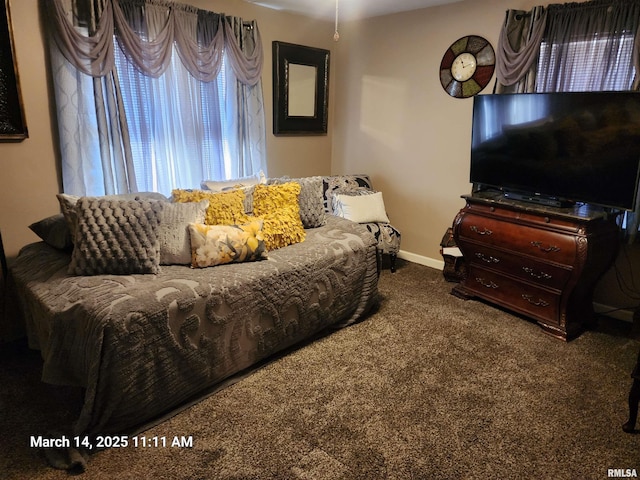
(116, 237)
(310, 199)
(175, 247)
(225, 208)
(278, 206)
(361, 208)
(219, 244)
(68, 203)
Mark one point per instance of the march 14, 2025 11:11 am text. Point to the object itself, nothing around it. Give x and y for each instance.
(111, 441)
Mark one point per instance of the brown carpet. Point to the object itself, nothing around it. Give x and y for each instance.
(427, 387)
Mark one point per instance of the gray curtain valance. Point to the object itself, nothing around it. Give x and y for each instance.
(146, 32)
(519, 44)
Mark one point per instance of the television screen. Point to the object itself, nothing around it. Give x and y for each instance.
(569, 147)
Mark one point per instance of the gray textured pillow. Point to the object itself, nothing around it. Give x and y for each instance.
(116, 237)
(312, 211)
(175, 244)
(68, 205)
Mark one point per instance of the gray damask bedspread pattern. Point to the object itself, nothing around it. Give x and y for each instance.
(141, 345)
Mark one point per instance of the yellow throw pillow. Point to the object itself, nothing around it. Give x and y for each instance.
(278, 206)
(213, 245)
(225, 208)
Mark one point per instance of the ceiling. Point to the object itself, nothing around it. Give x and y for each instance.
(348, 9)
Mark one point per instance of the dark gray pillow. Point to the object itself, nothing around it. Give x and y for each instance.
(116, 237)
(54, 230)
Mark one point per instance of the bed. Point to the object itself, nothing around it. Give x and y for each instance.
(141, 345)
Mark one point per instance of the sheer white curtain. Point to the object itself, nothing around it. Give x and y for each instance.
(178, 100)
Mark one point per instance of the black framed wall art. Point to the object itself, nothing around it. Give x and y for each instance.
(12, 121)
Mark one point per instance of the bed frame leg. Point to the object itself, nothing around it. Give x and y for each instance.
(392, 258)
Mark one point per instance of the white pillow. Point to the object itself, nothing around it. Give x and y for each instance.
(243, 182)
(362, 208)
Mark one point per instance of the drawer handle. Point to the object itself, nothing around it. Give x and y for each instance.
(537, 303)
(488, 259)
(484, 231)
(550, 248)
(485, 283)
(540, 275)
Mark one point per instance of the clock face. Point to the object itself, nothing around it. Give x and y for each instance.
(467, 66)
(463, 67)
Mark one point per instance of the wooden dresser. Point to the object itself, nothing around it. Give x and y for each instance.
(541, 262)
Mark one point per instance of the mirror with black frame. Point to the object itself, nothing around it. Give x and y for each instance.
(300, 89)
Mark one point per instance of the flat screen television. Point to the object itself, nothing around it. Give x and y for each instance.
(558, 148)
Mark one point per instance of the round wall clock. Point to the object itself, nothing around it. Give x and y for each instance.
(467, 66)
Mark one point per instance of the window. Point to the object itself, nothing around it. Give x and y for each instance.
(177, 125)
(155, 115)
(597, 64)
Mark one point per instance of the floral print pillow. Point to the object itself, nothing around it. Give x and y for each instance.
(219, 244)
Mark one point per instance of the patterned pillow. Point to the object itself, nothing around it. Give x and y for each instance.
(278, 206)
(333, 182)
(312, 211)
(116, 237)
(175, 248)
(225, 208)
(213, 245)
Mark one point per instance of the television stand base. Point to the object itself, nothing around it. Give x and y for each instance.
(540, 262)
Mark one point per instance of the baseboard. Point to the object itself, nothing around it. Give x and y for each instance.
(613, 312)
(421, 260)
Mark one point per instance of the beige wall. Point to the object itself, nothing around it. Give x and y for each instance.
(30, 175)
(394, 120)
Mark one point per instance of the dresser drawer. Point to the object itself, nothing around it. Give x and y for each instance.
(545, 244)
(527, 268)
(517, 295)
(535, 219)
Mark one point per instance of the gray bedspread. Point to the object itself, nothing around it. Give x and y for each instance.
(141, 345)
